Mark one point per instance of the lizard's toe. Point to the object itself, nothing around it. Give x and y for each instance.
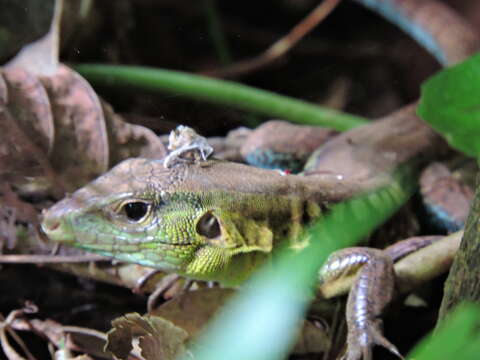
(360, 346)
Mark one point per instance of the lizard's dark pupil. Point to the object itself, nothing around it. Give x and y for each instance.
(208, 226)
(135, 210)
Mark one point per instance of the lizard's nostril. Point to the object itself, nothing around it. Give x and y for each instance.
(49, 225)
(56, 225)
(52, 225)
(57, 229)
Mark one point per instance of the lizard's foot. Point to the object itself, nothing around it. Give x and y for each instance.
(371, 291)
(361, 341)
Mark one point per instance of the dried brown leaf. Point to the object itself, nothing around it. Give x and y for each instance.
(86, 141)
(192, 310)
(87, 341)
(129, 140)
(158, 339)
(81, 144)
(35, 161)
(28, 102)
(15, 155)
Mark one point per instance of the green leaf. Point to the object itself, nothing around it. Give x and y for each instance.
(450, 103)
(262, 320)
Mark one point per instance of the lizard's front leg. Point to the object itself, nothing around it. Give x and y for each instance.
(372, 290)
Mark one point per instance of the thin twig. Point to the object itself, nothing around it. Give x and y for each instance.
(160, 291)
(49, 259)
(85, 331)
(4, 329)
(280, 47)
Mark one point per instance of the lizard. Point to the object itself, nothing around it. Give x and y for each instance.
(216, 220)
(219, 220)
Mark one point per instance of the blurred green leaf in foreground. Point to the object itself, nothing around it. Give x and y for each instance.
(262, 320)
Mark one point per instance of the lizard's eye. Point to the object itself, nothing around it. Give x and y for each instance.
(135, 210)
(208, 226)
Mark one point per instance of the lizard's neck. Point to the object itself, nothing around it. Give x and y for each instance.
(253, 225)
(266, 219)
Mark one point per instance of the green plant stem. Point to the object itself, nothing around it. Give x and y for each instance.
(219, 92)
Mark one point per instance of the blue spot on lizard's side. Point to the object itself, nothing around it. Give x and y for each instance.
(270, 159)
(442, 219)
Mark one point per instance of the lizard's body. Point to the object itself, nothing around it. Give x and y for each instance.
(217, 220)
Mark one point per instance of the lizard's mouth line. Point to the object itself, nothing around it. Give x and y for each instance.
(147, 244)
(174, 244)
(127, 248)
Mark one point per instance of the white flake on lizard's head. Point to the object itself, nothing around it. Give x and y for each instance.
(186, 145)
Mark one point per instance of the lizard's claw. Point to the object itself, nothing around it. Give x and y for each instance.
(360, 344)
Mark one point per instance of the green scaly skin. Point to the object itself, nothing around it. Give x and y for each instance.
(249, 209)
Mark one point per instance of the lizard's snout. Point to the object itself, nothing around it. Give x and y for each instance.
(56, 226)
(49, 224)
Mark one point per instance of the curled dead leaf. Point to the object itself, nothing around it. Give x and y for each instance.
(130, 140)
(62, 118)
(156, 338)
(81, 145)
(29, 104)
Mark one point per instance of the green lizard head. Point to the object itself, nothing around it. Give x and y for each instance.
(192, 218)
